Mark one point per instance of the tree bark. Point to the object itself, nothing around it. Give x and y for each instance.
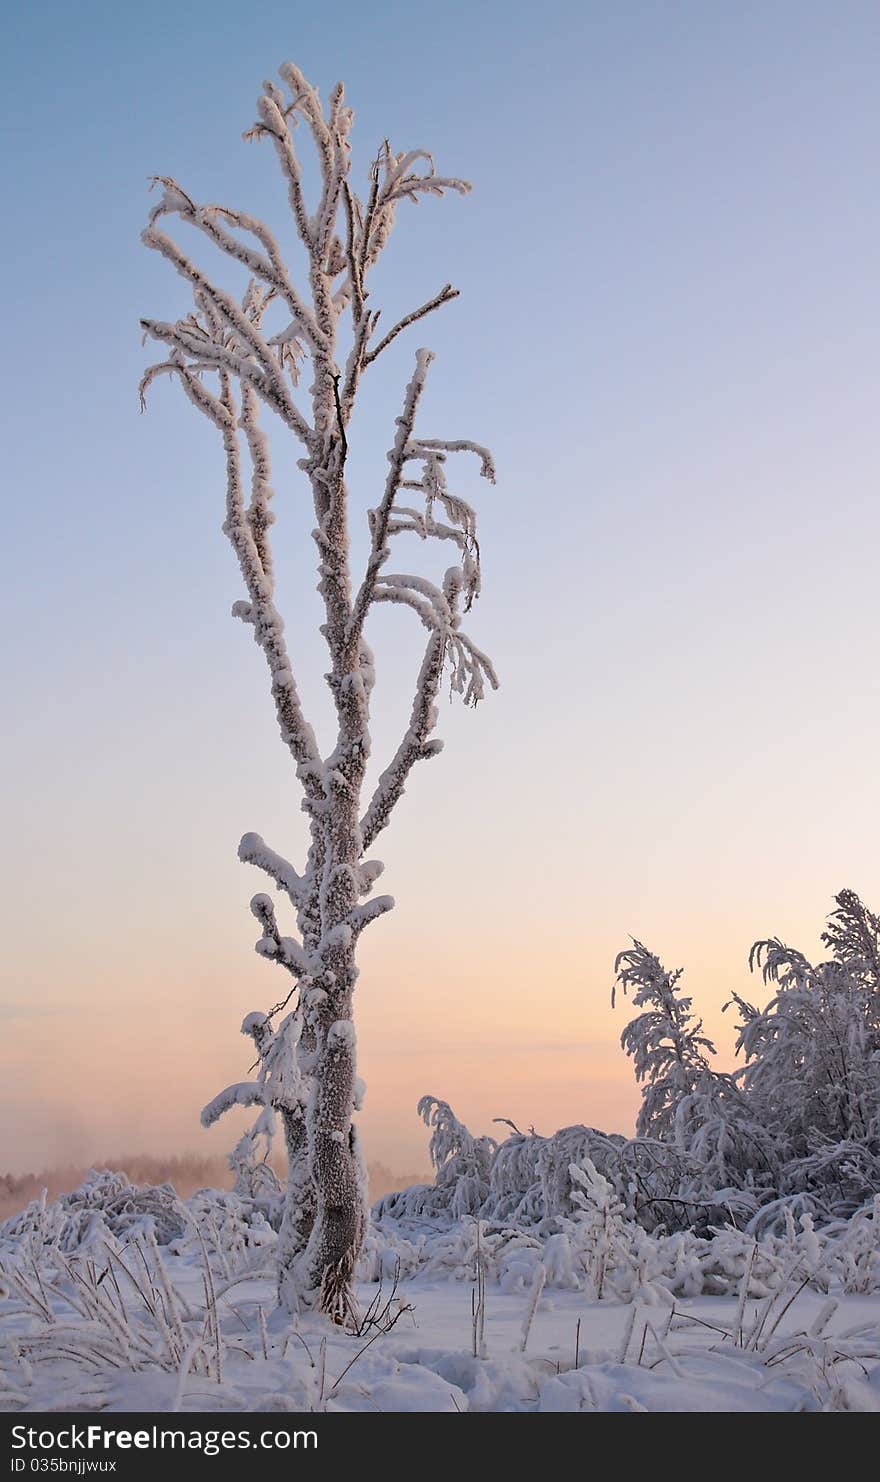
(299, 1205)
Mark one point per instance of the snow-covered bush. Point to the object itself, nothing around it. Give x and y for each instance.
(108, 1212)
(812, 1070)
(792, 1136)
(600, 1230)
(597, 1249)
(800, 1121)
(104, 1205)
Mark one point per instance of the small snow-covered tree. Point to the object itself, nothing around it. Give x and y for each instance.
(812, 1069)
(853, 934)
(666, 1041)
(597, 1216)
(687, 1105)
(462, 1161)
(236, 357)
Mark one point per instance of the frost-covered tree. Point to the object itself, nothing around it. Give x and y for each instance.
(461, 1160)
(853, 934)
(812, 1069)
(297, 344)
(666, 1041)
(687, 1105)
(802, 1117)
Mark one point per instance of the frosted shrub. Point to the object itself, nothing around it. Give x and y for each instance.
(104, 1205)
(600, 1233)
(462, 1162)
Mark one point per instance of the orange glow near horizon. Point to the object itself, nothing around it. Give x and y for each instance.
(501, 1033)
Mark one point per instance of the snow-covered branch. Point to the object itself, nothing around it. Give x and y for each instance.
(254, 850)
(269, 266)
(272, 123)
(423, 445)
(394, 179)
(243, 1093)
(264, 617)
(370, 911)
(189, 373)
(380, 517)
(443, 297)
(258, 514)
(415, 745)
(242, 352)
(283, 950)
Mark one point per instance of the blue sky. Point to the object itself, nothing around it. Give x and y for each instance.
(667, 333)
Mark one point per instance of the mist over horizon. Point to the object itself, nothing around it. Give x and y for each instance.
(186, 1172)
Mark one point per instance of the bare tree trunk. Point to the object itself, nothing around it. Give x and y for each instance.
(340, 1218)
(299, 1205)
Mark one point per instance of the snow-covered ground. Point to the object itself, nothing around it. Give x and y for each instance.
(122, 1299)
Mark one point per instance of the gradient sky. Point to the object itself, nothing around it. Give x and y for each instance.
(668, 333)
